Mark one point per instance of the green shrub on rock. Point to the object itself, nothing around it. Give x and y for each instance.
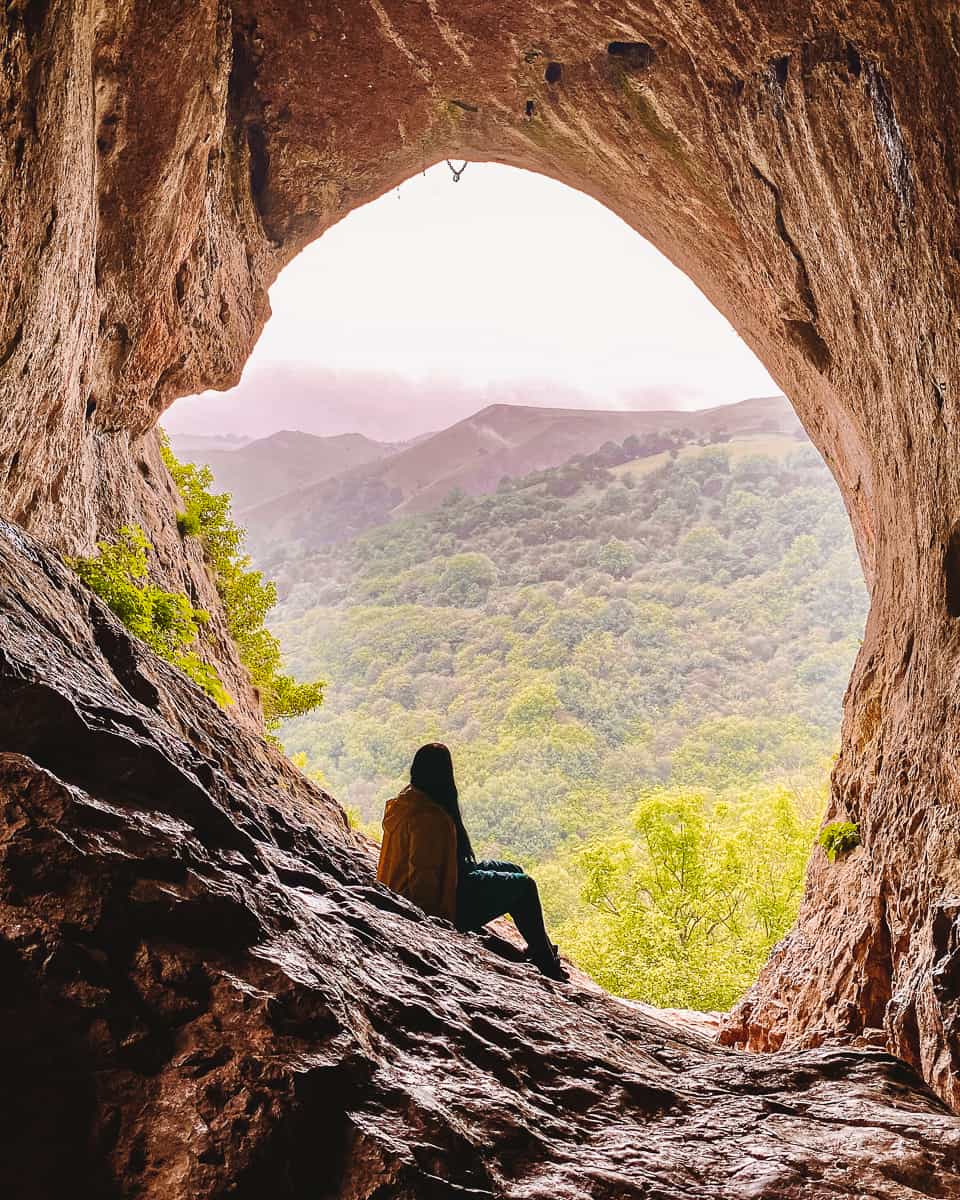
(246, 596)
(188, 523)
(166, 621)
(838, 838)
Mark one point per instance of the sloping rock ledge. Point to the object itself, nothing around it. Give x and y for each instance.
(206, 994)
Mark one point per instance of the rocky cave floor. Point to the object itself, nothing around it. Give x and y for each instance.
(206, 994)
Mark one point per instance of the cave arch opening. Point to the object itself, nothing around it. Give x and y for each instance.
(582, 631)
(801, 173)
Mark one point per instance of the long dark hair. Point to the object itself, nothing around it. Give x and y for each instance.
(432, 772)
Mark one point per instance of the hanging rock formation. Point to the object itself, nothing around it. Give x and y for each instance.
(206, 993)
(160, 162)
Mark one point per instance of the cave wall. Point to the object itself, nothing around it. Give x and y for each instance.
(798, 161)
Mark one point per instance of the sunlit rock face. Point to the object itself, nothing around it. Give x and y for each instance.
(160, 162)
(205, 993)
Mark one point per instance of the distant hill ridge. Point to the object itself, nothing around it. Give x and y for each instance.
(472, 455)
(475, 454)
(259, 471)
(186, 444)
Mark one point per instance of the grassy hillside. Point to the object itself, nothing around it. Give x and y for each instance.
(507, 440)
(637, 665)
(472, 456)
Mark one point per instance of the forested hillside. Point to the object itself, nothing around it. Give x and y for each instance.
(638, 661)
(472, 456)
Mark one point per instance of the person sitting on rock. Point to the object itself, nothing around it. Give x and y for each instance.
(426, 856)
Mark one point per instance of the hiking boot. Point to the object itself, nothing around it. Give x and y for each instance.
(548, 963)
(528, 953)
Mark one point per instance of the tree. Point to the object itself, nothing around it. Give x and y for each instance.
(721, 752)
(703, 551)
(467, 579)
(564, 483)
(534, 707)
(617, 500)
(609, 455)
(688, 908)
(616, 558)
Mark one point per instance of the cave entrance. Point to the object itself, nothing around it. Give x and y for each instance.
(524, 490)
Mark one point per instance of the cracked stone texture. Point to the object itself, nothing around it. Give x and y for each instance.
(160, 162)
(206, 993)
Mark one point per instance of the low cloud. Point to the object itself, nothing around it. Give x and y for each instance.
(385, 406)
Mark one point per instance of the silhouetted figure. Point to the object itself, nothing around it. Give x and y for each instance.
(426, 856)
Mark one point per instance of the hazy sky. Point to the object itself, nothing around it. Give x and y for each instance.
(499, 282)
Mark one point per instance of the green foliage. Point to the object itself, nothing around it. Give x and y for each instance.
(615, 557)
(685, 912)
(166, 621)
(188, 524)
(286, 698)
(625, 674)
(467, 579)
(246, 596)
(838, 838)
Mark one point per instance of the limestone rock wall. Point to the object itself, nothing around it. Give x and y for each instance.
(798, 160)
(107, 113)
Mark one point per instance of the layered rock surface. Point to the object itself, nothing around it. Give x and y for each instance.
(206, 993)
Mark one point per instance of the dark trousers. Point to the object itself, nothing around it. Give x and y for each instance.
(490, 889)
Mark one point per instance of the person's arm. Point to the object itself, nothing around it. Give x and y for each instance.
(432, 849)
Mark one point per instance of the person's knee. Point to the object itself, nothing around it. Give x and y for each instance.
(501, 867)
(527, 887)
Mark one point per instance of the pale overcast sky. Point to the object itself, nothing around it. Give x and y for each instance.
(501, 281)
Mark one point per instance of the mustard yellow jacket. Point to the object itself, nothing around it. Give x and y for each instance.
(418, 855)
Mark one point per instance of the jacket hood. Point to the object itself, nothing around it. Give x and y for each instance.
(408, 803)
